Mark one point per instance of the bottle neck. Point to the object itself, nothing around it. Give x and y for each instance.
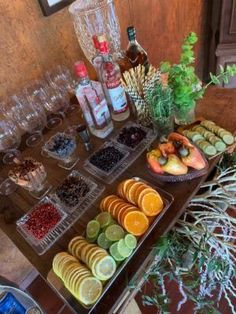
(133, 41)
(84, 80)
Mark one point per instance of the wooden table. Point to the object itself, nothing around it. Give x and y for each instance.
(218, 105)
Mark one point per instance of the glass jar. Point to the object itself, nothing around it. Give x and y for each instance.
(96, 17)
(184, 115)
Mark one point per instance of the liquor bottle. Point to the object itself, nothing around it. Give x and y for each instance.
(135, 53)
(93, 103)
(97, 59)
(111, 78)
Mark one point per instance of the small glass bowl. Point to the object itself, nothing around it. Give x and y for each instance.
(66, 155)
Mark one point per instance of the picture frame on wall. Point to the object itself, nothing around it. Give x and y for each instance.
(51, 6)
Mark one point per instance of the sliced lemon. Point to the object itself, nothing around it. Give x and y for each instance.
(89, 291)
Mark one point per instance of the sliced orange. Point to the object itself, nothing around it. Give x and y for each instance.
(105, 201)
(121, 211)
(120, 190)
(125, 186)
(112, 204)
(144, 192)
(131, 192)
(136, 223)
(127, 210)
(151, 203)
(138, 190)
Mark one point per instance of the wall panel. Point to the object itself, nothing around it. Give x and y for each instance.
(30, 43)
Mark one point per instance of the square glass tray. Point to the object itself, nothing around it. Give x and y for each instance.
(84, 201)
(42, 245)
(143, 144)
(78, 307)
(110, 176)
(69, 217)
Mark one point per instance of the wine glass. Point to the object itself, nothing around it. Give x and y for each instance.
(7, 187)
(30, 116)
(60, 78)
(10, 139)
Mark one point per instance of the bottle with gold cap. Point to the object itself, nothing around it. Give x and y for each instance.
(110, 75)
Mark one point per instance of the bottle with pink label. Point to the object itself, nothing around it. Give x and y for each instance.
(111, 78)
(93, 103)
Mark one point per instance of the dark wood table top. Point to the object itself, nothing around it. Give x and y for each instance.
(218, 105)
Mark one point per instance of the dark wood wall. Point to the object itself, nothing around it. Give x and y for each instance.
(30, 43)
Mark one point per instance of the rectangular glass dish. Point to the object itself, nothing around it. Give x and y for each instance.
(70, 216)
(78, 307)
(41, 245)
(110, 175)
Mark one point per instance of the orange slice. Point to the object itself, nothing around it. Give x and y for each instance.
(138, 190)
(130, 209)
(136, 223)
(125, 186)
(144, 192)
(120, 190)
(121, 211)
(151, 204)
(131, 192)
(112, 204)
(105, 201)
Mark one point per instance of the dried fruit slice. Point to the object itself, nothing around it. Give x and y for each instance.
(72, 241)
(121, 211)
(104, 219)
(136, 223)
(114, 233)
(151, 204)
(90, 290)
(139, 189)
(125, 185)
(130, 209)
(120, 190)
(103, 242)
(114, 252)
(130, 241)
(123, 249)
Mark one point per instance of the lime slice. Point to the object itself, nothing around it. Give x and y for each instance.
(103, 242)
(92, 230)
(104, 268)
(114, 233)
(130, 241)
(123, 248)
(114, 252)
(91, 240)
(104, 219)
(89, 290)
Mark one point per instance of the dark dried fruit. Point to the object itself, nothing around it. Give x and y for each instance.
(131, 136)
(106, 158)
(72, 190)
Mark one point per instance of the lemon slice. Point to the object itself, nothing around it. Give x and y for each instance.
(89, 290)
(104, 268)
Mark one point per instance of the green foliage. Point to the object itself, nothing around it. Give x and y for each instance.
(186, 86)
(182, 78)
(160, 101)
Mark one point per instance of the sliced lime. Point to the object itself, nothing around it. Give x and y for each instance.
(114, 252)
(103, 242)
(92, 230)
(104, 219)
(123, 248)
(130, 241)
(114, 233)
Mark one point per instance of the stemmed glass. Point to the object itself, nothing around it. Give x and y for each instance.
(60, 78)
(30, 117)
(10, 139)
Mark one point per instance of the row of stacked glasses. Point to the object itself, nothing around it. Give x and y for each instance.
(41, 104)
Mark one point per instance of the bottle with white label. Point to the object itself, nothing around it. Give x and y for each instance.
(93, 103)
(111, 78)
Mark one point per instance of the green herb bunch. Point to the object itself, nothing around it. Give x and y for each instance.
(160, 101)
(186, 85)
(187, 88)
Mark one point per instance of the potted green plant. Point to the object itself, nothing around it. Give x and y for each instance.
(186, 86)
(160, 102)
